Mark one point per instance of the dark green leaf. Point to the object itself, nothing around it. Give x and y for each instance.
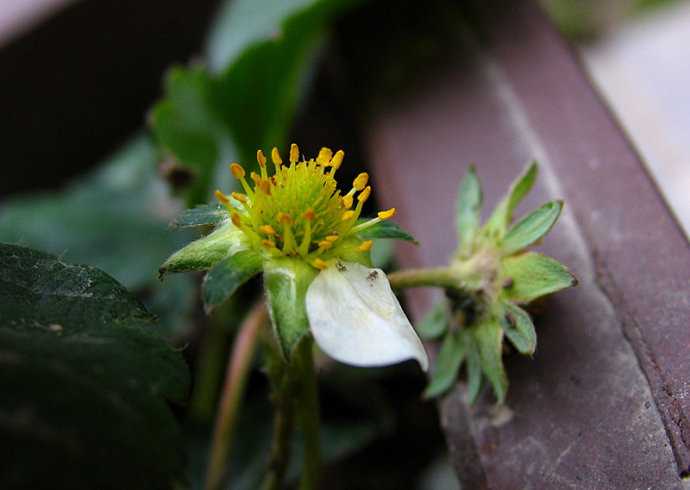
(447, 364)
(474, 368)
(531, 228)
(503, 214)
(519, 329)
(286, 282)
(204, 253)
(533, 275)
(186, 124)
(489, 336)
(386, 229)
(229, 274)
(435, 322)
(468, 209)
(86, 380)
(202, 215)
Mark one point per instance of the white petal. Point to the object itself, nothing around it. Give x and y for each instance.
(356, 319)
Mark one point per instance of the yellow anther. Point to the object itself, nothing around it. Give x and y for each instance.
(284, 218)
(332, 238)
(365, 246)
(309, 214)
(294, 153)
(275, 156)
(261, 158)
(325, 155)
(389, 213)
(325, 244)
(268, 243)
(237, 170)
(239, 196)
(265, 186)
(267, 229)
(337, 159)
(222, 197)
(364, 195)
(236, 220)
(360, 181)
(347, 201)
(255, 177)
(347, 215)
(320, 264)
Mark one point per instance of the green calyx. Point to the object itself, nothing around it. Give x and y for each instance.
(490, 276)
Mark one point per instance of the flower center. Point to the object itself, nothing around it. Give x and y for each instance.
(298, 210)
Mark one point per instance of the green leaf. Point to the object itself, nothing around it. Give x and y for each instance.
(468, 209)
(532, 275)
(519, 329)
(187, 125)
(115, 218)
(86, 380)
(286, 282)
(435, 322)
(503, 214)
(386, 229)
(229, 274)
(474, 368)
(531, 228)
(202, 215)
(447, 364)
(489, 336)
(204, 253)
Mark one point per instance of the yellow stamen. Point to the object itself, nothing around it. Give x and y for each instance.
(240, 197)
(294, 153)
(319, 264)
(389, 213)
(261, 158)
(275, 157)
(325, 244)
(337, 159)
(332, 238)
(236, 220)
(360, 181)
(347, 201)
(347, 215)
(284, 218)
(365, 246)
(237, 170)
(324, 157)
(309, 214)
(267, 229)
(265, 185)
(268, 243)
(221, 197)
(364, 195)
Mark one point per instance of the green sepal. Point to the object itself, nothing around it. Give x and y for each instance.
(286, 282)
(519, 328)
(468, 208)
(435, 322)
(502, 215)
(474, 369)
(531, 275)
(386, 229)
(531, 228)
(204, 253)
(447, 365)
(222, 281)
(202, 215)
(489, 337)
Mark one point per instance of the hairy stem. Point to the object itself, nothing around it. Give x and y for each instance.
(442, 277)
(236, 375)
(308, 414)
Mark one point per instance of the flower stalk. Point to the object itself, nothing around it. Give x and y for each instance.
(236, 375)
(308, 413)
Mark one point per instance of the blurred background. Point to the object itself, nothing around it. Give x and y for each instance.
(103, 143)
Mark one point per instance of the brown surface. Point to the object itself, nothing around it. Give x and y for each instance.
(604, 403)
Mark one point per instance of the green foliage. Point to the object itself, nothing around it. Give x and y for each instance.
(495, 273)
(386, 229)
(229, 274)
(286, 282)
(435, 323)
(114, 219)
(86, 380)
(202, 215)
